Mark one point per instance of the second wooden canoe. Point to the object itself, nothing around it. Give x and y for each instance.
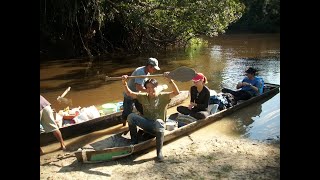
(100, 123)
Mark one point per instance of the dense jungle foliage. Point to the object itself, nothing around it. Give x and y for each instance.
(260, 16)
(87, 28)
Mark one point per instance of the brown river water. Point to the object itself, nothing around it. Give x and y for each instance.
(222, 60)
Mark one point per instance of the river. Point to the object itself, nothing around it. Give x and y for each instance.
(222, 60)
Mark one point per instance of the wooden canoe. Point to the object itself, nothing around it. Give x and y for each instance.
(118, 145)
(100, 123)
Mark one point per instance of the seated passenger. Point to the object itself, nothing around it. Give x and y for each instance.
(200, 95)
(249, 87)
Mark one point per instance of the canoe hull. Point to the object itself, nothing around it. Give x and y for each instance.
(83, 128)
(104, 155)
(108, 154)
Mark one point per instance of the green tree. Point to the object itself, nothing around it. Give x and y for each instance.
(93, 27)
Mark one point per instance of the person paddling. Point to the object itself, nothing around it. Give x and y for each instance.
(154, 111)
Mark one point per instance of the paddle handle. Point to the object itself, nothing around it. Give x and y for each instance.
(181, 74)
(139, 76)
(64, 93)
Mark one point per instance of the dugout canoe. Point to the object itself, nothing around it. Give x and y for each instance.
(100, 123)
(118, 145)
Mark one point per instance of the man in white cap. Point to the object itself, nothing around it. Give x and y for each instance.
(136, 85)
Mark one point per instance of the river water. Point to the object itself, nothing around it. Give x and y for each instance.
(222, 60)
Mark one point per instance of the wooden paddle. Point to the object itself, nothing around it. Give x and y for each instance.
(61, 98)
(182, 74)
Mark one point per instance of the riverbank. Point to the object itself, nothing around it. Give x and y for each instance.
(208, 153)
(199, 155)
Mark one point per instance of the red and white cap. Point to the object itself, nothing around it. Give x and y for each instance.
(199, 77)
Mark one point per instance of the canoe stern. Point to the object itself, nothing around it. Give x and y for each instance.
(91, 156)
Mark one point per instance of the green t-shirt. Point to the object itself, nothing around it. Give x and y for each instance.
(155, 107)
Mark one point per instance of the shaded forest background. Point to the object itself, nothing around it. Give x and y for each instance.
(88, 28)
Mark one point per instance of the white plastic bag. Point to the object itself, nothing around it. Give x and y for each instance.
(87, 114)
(93, 112)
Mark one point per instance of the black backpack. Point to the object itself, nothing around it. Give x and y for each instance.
(230, 98)
(224, 100)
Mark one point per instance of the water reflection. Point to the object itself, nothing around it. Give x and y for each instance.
(266, 126)
(259, 121)
(246, 117)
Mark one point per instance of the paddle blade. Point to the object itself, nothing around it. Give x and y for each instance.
(182, 74)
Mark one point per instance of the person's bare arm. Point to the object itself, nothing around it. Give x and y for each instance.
(126, 88)
(175, 88)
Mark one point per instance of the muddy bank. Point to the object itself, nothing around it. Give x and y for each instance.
(208, 153)
(196, 156)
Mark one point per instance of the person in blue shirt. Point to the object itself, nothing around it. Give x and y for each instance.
(249, 87)
(136, 85)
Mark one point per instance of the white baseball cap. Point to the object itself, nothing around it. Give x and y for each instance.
(154, 63)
